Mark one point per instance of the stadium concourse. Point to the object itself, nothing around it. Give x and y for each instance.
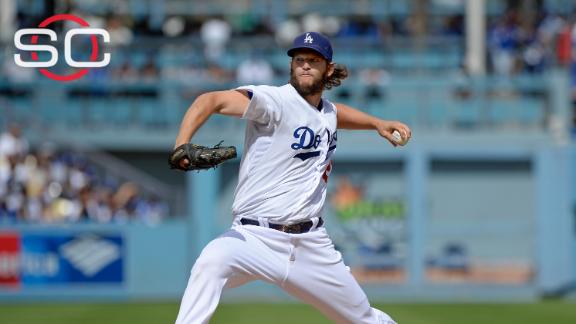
(478, 207)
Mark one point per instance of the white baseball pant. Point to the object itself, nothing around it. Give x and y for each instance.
(305, 265)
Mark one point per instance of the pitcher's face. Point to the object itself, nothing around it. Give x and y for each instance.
(308, 70)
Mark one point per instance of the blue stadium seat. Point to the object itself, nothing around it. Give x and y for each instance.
(122, 111)
(99, 112)
(150, 113)
(467, 113)
(402, 106)
(532, 111)
(438, 112)
(74, 115)
(503, 110)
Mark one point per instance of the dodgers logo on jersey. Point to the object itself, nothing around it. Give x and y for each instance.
(307, 139)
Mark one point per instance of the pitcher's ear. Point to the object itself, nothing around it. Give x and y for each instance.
(331, 67)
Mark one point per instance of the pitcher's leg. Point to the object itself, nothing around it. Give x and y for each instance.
(234, 258)
(335, 292)
(202, 295)
(319, 277)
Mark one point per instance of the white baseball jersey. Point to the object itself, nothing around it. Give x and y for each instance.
(287, 156)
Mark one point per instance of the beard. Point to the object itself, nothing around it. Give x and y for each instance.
(307, 90)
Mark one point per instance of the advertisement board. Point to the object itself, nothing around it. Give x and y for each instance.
(28, 260)
(9, 259)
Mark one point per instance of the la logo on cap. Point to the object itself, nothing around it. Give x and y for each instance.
(308, 38)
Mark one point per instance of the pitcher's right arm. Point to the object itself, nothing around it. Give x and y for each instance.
(229, 102)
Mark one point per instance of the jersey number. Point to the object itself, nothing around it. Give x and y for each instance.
(327, 172)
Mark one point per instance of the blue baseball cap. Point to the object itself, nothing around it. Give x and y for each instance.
(314, 41)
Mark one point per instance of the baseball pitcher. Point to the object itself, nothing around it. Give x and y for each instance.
(277, 233)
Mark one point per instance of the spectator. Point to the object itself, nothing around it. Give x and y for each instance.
(54, 188)
(12, 143)
(534, 57)
(312, 22)
(215, 34)
(564, 44)
(120, 35)
(126, 72)
(174, 26)
(453, 25)
(504, 39)
(254, 70)
(374, 81)
(286, 32)
(149, 72)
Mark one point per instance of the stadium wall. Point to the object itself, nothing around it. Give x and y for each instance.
(92, 262)
(481, 224)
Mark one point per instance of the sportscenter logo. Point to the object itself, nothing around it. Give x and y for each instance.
(42, 30)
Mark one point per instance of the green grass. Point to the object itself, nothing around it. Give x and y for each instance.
(152, 313)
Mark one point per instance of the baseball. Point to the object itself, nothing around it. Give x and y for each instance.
(398, 138)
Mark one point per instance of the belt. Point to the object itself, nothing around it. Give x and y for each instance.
(297, 228)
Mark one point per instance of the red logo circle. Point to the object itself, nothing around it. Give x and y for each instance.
(93, 55)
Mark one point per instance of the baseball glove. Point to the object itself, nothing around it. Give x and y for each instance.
(200, 157)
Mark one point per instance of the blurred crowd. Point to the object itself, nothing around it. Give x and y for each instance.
(242, 47)
(517, 42)
(51, 186)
